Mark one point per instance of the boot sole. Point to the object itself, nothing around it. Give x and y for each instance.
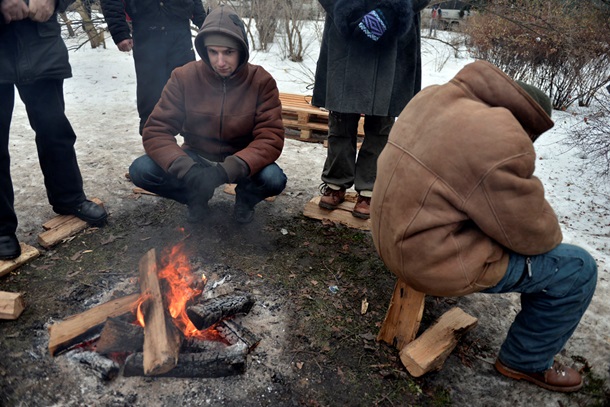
(360, 215)
(514, 374)
(329, 206)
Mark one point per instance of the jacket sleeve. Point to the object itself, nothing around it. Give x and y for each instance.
(509, 206)
(162, 126)
(114, 14)
(268, 131)
(198, 13)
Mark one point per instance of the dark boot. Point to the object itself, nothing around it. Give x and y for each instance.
(88, 211)
(9, 247)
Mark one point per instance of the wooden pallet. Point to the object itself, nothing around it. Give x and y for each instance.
(299, 114)
(343, 213)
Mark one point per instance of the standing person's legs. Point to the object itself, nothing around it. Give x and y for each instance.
(556, 289)
(270, 181)
(376, 131)
(9, 245)
(55, 139)
(340, 165)
(156, 53)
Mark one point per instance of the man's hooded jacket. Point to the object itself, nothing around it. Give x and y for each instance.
(455, 192)
(237, 117)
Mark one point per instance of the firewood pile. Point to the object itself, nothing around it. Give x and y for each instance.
(177, 326)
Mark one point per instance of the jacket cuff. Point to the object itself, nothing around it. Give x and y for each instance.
(235, 168)
(181, 166)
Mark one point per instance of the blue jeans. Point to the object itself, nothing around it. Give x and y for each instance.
(146, 174)
(556, 288)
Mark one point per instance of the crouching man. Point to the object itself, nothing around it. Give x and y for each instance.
(456, 209)
(229, 114)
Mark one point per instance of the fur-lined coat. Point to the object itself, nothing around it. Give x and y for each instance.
(357, 75)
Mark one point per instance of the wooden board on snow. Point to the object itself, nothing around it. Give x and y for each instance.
(61, 227)
(28, 253)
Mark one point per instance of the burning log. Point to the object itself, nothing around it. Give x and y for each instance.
(218, 360)
(161, 338)
(120, 336)
(211, 311)
(75, 329)
(233, 332)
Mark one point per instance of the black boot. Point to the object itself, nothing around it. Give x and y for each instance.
(9, 247)
(242, 212)
(88, 211)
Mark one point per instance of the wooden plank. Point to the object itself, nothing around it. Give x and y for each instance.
(28, 253)
(11, 305)
(70, 331)
(403, 317)
(343, 214)
(62, 227)
(431, 349)
(230, 189)
(161, 337)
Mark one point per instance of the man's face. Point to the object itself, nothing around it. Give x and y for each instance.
(223, 60)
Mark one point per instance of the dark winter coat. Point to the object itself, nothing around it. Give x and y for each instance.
(455, 192)
(156, 13)
(354, 75)
(30, 51)
(218, 117)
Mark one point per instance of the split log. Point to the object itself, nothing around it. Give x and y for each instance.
(404, 315)
(11, 305)
(209, 312)
(73, 330)
(120, 336)
(215, 362)
(431, 349)
(28, 253)
(234, 332)
(161, 337)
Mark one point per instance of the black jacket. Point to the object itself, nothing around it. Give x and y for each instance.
(30, 51)
(151, 13)
(355, 75)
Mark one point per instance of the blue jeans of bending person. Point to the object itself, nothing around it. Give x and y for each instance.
(147, 174)
(556, 289)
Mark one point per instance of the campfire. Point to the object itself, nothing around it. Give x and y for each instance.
(179, 325)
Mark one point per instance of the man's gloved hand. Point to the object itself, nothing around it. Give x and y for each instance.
(202, 181)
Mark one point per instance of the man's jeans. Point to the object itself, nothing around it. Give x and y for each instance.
(146, 174)
(556, 289)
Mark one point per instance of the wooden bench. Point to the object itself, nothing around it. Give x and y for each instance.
(298, 113)
(431, 349)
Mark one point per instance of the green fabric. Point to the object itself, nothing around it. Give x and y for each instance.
(539, 97)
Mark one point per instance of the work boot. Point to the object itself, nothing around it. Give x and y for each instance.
(197, 212)
(331, 198)
(88, 211)
(556, 378)
(242, 212)
(362, 209)
(9, 247)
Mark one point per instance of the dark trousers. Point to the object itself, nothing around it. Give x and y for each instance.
(341, 167)
(55, 138)
(146, 174)
(156, 53)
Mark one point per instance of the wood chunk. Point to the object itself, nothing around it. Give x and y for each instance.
(431, 349)
(215, 362)
(138, 190)
(404, 315)
(72, 330)
(28, 253)
(234, 332)
(120, 336)
(343, 214)
(11, 305)
(209, 312)
(161, 337)
(61, 227)
(230, 189)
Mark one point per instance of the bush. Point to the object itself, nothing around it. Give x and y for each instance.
(562, 47)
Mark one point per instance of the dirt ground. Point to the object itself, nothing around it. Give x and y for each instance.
(316, 348)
